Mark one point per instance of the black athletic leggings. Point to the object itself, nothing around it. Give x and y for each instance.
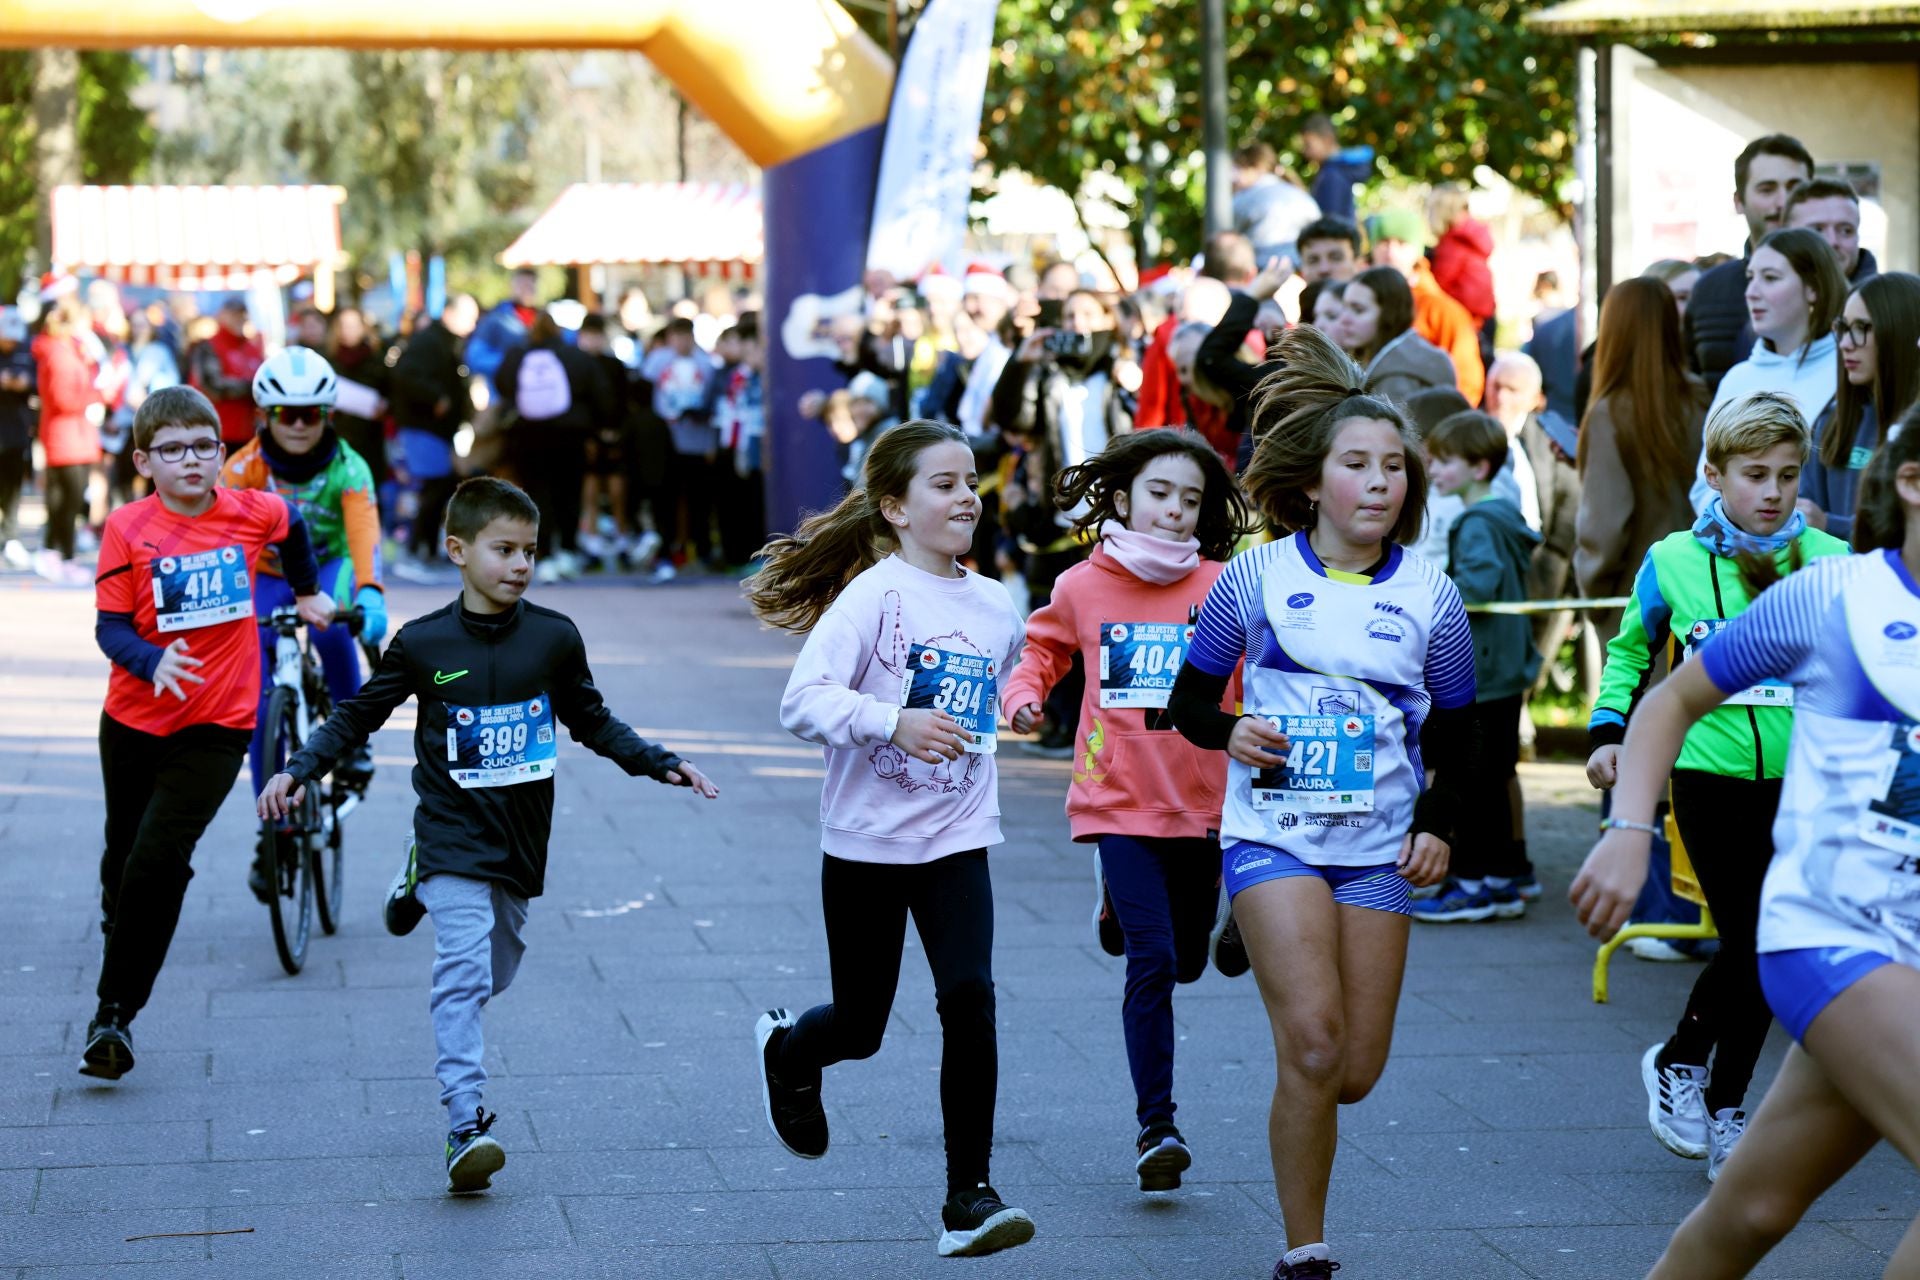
(1727, 826)
(866, 906)
(161, 794)
(66, 498)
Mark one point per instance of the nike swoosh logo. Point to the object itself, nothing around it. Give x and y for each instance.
(449, 677)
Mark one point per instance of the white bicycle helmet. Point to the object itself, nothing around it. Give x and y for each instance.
(295, 376)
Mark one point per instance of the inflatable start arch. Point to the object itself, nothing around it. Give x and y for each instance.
(794, 83)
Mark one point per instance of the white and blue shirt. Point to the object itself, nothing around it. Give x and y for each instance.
(1845, 632)
(1372, 656)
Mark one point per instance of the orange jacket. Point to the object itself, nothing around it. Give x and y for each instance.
(1448, 325)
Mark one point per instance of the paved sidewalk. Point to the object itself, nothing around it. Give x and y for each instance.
(1506, 1140)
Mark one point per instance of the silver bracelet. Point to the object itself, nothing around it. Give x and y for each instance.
(1621, 824)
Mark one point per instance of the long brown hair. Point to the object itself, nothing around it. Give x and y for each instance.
(1893, 305)
(1639, 355)
(1395, 296)
(1812, 260)
(1225, 513)
(1297, 411)
(803, 571)
(1879, 516)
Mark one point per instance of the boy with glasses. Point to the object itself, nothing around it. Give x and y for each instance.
(176, 619)
(299, 456)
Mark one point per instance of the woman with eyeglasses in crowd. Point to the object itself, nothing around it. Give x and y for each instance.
(1879, 379)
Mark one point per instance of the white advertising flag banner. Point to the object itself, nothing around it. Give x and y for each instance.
(926, 166)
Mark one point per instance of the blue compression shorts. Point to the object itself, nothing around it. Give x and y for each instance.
(1380, 888)
(1799, 984)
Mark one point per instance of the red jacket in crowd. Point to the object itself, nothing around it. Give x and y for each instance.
(1161, 402)
(223, 367)
(66, 393)
(1460, 266)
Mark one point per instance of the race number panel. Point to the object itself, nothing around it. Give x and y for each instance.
(1893, 820)
(1139, 660)
(201, 590)
(964, 685)
(1770, 693)
(501, 746)
(1329, 766)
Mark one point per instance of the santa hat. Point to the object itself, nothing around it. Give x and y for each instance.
(55, 285)
(983, 279)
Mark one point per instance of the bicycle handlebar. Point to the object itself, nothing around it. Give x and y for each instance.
(286, 618)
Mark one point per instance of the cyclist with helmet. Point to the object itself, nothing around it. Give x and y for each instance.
(299, 456)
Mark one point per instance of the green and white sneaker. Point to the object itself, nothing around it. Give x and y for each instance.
(403, 909)
(473, 1157)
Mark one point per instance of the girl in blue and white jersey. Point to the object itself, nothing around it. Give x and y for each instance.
(1358, 657)
(1839, 933)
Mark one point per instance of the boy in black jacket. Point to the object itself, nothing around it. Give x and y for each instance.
(492, 674)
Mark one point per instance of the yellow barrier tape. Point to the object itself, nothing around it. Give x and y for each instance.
(1550, 606)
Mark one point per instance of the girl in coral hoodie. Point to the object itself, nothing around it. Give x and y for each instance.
(1168, 515)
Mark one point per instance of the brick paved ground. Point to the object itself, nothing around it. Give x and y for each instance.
(1506, 1139)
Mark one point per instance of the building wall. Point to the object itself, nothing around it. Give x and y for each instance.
(1678, 129)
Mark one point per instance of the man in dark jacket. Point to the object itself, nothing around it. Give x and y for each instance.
(1719, 333)
(558, 399)
(1830, 208)
(430, 402)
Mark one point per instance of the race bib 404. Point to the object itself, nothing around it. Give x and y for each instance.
(202, 589)
(1329, 767)
(964, 685)
(503, 745)
(1139, 660)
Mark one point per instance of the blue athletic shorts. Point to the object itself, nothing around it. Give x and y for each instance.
(1381, 888)
(1799, 984)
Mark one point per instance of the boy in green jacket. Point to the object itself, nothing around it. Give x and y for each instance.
(1488, 551)
(1726, 784)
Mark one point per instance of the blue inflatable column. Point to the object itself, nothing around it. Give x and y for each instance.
(817, 209)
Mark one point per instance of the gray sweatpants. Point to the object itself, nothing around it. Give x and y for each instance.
(477, 950)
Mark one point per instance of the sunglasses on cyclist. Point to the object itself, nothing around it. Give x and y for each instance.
(175, 450)
(299, 415)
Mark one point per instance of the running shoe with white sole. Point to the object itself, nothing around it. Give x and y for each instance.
(1226, 948)
(794, 1112)
(1676, 1104)
(1163, 1157)
(1724, 1129)
(977, 1222)
(1456, 904)
(109, 1051)
(1106, 921)
(473, 1157)
(404, 908)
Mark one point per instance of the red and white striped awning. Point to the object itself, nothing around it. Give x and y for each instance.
(700, 226)
(197, 237)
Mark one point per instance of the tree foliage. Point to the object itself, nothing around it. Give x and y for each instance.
(1437, 88)
(115, 142)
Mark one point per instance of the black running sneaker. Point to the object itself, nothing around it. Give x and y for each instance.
(1229, 950)
(403, 910)
(794, 1112)
(109, 1051)
(260, 875)
(977, 1222)
(1164, 1156)
(472, 1156)
(1313, 1269)
(1106, 921)
(356, 772)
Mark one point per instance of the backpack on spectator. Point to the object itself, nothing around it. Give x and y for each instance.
(543, 390)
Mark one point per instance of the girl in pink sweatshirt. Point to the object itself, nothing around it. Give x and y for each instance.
(898, 682)
(1168, 515)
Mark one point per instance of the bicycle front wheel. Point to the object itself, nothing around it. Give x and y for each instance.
(291, 907)
(329, 864)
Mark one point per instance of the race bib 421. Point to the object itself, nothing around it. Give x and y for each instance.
(1329, 766)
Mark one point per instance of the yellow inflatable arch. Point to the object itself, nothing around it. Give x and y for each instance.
(794, 83)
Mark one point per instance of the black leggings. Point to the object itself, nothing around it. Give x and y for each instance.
(66, 506)
(1727, 826)
(15, 466)
(161, 794)
(1486, 846)
(866, 906)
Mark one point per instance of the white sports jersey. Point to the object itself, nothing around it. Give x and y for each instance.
(1349, 671)
(1845, 631)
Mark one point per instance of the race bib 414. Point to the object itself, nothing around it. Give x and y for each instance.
(202, 589)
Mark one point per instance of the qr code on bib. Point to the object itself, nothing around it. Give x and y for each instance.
(1363, 761)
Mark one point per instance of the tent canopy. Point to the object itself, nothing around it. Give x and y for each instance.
(694, 225)
(1620, 19)
(197, 237)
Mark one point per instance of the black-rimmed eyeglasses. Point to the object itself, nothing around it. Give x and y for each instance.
(175, 450)
(1857, 330)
